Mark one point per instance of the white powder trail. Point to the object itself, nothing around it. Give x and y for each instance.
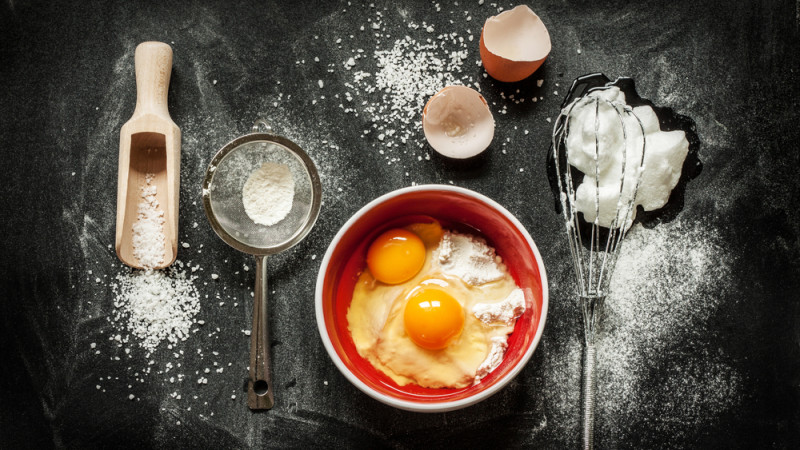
(666, 290)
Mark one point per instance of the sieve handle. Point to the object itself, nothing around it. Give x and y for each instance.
(259, 387)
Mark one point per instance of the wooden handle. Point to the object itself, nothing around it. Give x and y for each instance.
(153, 71)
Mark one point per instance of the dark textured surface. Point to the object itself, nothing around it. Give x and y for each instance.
(68, 86)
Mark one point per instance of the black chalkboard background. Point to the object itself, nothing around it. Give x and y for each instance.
(67, 76)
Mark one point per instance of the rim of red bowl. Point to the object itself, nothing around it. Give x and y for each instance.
(415, 398)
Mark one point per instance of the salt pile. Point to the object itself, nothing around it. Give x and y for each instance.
(156, 305)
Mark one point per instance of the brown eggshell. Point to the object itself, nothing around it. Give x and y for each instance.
(518, 31)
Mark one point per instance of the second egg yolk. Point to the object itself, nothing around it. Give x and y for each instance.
(396, 256)
(433, 318)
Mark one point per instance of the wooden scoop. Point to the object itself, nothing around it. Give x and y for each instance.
(149, 143)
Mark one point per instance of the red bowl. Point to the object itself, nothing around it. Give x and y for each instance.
(456, 208)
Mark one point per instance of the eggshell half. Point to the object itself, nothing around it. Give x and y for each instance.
(457, 122)
(514, 44)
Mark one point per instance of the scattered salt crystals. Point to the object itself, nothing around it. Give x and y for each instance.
(321, 84)
(131, 397)
(539, 83)
(185, 245)
(155, 305)
(408, 74)
(148, 238)
(214, 276)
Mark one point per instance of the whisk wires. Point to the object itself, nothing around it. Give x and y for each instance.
(594, 260)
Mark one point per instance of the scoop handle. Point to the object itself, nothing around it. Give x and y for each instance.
(153, 70)
(259, 387)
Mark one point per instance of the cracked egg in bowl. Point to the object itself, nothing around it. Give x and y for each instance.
(431, 298)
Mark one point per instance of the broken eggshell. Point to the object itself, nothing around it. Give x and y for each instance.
(457, 122)
(514, 44)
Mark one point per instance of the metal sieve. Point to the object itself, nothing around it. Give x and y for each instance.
(222, 200)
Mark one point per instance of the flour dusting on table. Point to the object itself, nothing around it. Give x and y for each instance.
(664, 296)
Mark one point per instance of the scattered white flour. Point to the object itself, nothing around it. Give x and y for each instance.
(268, 193)
(664, 294)
(505, 311)
(495, 357)
(156, 305)
(669, 286)
(148, 238)
(469, 258)
(474, 262)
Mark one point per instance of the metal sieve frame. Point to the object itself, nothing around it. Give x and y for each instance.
(316, 191)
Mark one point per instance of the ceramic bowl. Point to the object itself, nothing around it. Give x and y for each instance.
(456, 208)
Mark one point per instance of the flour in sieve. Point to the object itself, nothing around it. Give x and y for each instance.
(268, 193)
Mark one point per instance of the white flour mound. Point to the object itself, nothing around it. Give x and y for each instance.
(268, 193)
(469, 258)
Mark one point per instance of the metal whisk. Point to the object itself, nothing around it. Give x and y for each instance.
(597, 216)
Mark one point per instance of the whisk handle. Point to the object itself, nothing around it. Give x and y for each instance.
(589, 358)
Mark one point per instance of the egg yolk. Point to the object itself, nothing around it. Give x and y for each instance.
(433, 318)
(396, 256)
